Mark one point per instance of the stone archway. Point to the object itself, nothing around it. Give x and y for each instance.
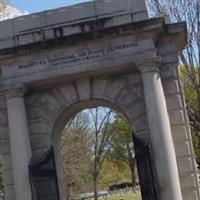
(117, 56)
(109, 92)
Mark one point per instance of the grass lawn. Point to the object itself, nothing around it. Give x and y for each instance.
(129, 196)
(125, 197)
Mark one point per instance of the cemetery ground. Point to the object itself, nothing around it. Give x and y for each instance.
(128, 193)
(121, 196)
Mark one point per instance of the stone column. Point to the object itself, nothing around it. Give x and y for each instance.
(19, 142)
(161, 137)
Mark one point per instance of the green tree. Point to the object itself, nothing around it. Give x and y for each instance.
(192, 105)
(100, 119)
(113, 173)
(77, 163)
(76, 154)
(95, 142)
(122, 150)
(88, 129)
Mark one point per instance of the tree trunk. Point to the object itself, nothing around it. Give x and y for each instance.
(132, 164)
(133, 176)
(95, 175)
(95, 186)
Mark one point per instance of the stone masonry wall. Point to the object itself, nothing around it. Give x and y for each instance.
(44, 108)
(48, 111)
(179, 122)
(5, 152)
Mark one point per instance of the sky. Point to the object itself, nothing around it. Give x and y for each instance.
(32, 6)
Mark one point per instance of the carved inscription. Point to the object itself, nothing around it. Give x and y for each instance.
(73, 58)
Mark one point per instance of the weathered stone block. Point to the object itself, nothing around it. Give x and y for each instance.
(4, 132)
(135, 109)
(136, 6)
(69, 14)
(8, 178)
(143, 135)
(130, 95)
(40, 141)
(169, 71)
(140, 123)
(170, 87)
(176, 117)
(118, 20)
(6, 43)
(190, 194)
(59, 98)
(140, 15)
(39, 126)
(167, 48)
(83, 87)
(27, 22)
(25, 39)
(184, 165)
(182, 149)
(70, 30)
(10, 193)
(106, 7)
(5, 149)
(7, 29)
(134, 78)
(3, 116)
(173, 102)
(49, 34)
(113, 89)
(46, 112)
(98, 87)
(7, 162)
(187, 181)
(2, 102)
(179, 133)
(170, 58)
(69, 94)
(38, 36)
(50, 98)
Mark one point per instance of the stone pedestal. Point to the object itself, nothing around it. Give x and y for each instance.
(161, 138)
(19, 142)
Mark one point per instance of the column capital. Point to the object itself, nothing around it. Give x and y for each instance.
(149, 65)
(15, 92)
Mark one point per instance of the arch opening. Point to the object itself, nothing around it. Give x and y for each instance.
(93, 145)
